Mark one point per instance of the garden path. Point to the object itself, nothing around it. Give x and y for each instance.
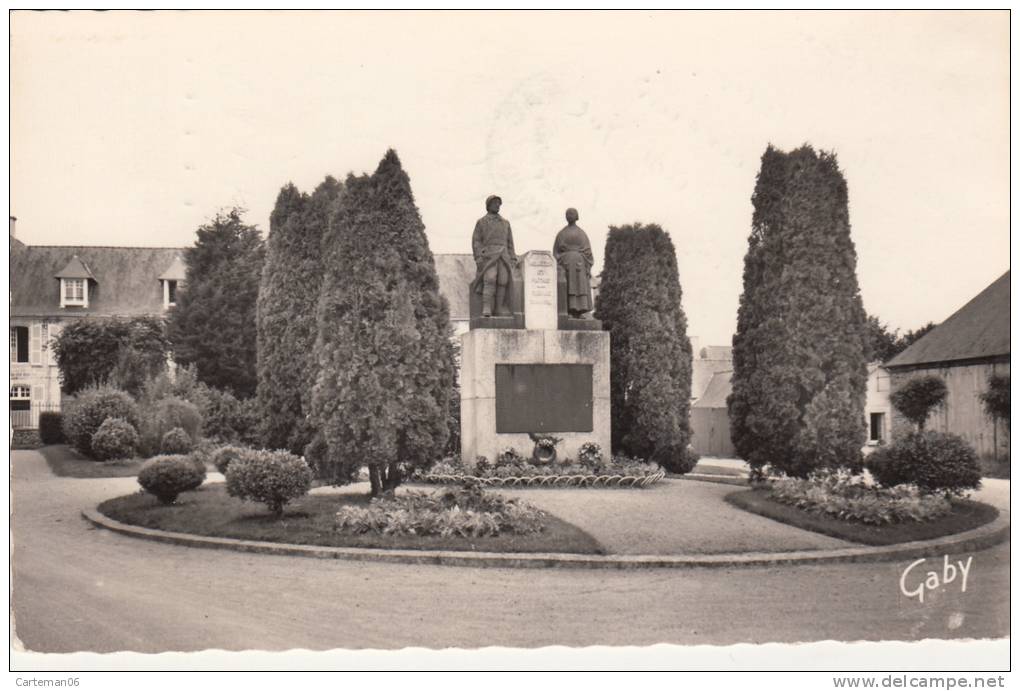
(672, 517)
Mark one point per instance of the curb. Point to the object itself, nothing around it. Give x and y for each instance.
(972, 540)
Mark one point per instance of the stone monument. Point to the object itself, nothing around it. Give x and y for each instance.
(530, 372)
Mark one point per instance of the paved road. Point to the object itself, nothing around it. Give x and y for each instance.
(77, 588)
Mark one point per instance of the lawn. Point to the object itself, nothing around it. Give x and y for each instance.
(309, 521)
(66, 462)
(966, 515)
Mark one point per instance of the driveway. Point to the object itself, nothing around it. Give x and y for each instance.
(76, 588)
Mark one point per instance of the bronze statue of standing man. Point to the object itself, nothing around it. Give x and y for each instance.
(573, 255)
(493, 246)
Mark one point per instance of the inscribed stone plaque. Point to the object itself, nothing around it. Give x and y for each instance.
(539, 272)
(543, 398)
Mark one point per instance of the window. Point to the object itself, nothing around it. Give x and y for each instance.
(169, 293)
(74, 291)
(21, 398)
(877, 427)
(19, 344)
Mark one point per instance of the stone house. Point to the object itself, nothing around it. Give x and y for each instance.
(964, 351)
(53, 285)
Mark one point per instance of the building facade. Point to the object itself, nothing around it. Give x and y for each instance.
(965, 350)
(54, 285)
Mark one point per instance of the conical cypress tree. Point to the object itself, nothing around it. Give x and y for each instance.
(385, 360)
(288, 294)
(799, 354)
(639, 303)
(213, 326)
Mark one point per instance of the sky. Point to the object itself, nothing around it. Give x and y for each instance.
(136, 128)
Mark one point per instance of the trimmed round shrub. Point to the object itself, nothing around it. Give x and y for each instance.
(917, 397)
(272, 478)
(114, 439)
(996, 399)
(165, 415)
(201, 456)
(675, 458)
(51, 428)
(176, 441)
(174, 412)
(88, 411)
(225, 455)
(165, 477)
(934, 461)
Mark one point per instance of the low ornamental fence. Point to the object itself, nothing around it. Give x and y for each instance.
(27, 416)
(550, 480)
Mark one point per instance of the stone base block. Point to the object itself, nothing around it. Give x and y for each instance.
(483, 349)
(567, 323)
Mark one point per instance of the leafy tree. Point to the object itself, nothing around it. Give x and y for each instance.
(996, 398)
(288, 294)
(386, 365)
(120, 352)
(799, 354)
(908, 339)
(917, 397)
(639, 303)
(882, 343)
(213, 324)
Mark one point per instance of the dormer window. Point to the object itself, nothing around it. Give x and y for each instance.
(74, 292)
(171, 279)
(169, 293)
(74, 283)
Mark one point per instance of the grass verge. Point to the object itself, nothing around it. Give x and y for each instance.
(66, 462)
(309, 521)
(25, 440)
(966, 515)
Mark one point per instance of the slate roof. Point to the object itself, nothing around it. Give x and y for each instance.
(75, 268)
(126, 279)
(177, 271)
(716, 353)
(978, 330)
(719, 387)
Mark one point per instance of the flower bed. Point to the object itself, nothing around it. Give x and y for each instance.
(463, 512)
(848, 498)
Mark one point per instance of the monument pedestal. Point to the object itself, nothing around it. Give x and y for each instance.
(542, 381)
(538, 379)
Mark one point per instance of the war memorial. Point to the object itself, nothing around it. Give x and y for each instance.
(534, 363)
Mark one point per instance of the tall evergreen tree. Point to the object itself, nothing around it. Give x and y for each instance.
(383, 350)
(288, 294)
(639, 303)
(213, 324)
(799, 354)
